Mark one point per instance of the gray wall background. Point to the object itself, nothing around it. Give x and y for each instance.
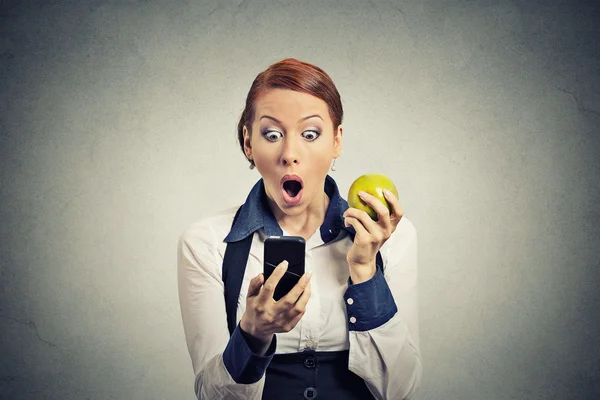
(117, 130)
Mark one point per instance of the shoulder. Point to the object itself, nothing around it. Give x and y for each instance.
(405, 230)
(209, 230)
(402, 241)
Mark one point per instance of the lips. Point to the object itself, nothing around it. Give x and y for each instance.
(291, 187)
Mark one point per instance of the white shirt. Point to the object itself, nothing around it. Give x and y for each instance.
(387, 357)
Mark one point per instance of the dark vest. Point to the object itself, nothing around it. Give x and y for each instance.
(302, 375)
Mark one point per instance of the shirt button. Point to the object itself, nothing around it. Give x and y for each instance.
(350, 301)
(352, 320)
(310, 362)
(310, 393)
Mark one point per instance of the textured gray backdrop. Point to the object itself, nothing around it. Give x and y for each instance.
(117, 130)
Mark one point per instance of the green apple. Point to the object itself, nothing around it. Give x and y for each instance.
(374, 184)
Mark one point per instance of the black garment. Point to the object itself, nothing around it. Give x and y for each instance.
(312, 375)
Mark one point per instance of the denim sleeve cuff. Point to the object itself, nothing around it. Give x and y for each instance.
(369, 304)
(242, 363)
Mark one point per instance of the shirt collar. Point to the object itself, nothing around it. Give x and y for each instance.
(256, 214)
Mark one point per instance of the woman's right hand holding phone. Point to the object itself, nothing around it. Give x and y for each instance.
(264, 316)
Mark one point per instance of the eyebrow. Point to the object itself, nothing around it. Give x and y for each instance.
(302, 119)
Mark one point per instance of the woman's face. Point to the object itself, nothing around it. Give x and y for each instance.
(293, 143)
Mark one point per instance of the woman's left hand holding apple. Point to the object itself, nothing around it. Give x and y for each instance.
(370, 235)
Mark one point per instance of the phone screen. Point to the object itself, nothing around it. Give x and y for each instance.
(279, 248)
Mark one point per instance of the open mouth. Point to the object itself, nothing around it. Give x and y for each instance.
(291, 189)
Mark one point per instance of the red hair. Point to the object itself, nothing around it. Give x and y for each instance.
(294, 75)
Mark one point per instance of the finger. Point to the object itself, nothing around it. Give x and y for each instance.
(294, 294)
(361, 233)
(397, 210)
(269, 286)
(304, 297)
(291, 324)
(294, 315)
(371, 227)
(255, 284)
(383, 213)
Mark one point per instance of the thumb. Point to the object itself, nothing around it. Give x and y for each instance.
(255, 285)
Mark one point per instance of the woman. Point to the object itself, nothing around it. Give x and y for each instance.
(349, 327)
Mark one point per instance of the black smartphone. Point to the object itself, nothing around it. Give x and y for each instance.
(279, 248)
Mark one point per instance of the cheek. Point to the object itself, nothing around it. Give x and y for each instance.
(323, 164)
(321, 160)
(265, 158)
(319, 168)
(262, 153)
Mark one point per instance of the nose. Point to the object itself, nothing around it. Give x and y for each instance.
(290, 152)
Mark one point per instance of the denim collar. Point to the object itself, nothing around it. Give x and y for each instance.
(256, 214)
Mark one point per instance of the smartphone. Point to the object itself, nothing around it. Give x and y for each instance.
(279, 248)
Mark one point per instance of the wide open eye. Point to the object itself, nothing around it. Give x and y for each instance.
(310, 135)
(272, 136)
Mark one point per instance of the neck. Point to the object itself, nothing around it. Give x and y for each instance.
(305, 223)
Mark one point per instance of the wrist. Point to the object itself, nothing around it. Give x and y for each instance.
(360, 273)
(257, 343)
(258, 346)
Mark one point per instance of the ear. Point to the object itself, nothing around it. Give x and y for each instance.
(247, 144)
(337, 142)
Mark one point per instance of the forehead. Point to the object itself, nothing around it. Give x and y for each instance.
(283, 103)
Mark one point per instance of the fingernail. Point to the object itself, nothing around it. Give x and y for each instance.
(387, 192)
(361, 194)
(283, 265)
(307, 276)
